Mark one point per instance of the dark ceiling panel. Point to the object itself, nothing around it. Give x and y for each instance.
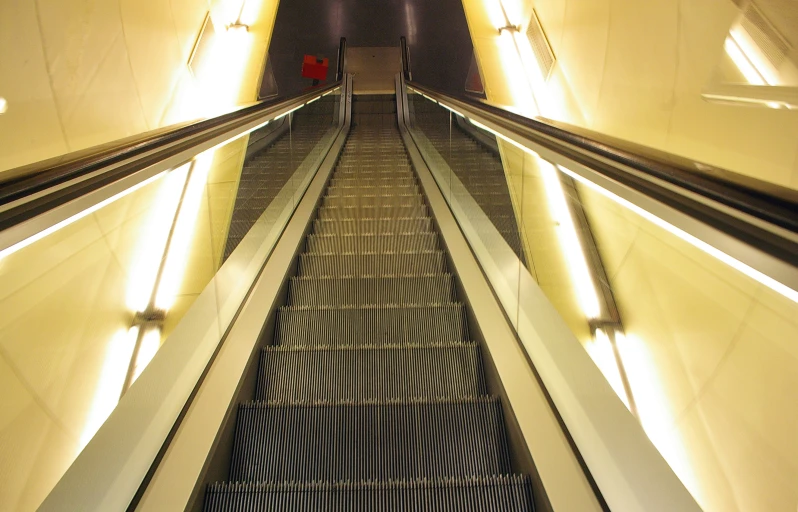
(436, 31)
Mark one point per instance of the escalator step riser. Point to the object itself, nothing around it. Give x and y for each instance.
(374, 374)
(505, 493)
(364, 291)
(372, 211)
(373, 190)
(373, 182)
(360, 265)
(359, 244)
(376, 326)
(381, 225)
(376, 154)
(365, 200)
(452, 438)
(380, 163)
(373, 170)
(373, 175)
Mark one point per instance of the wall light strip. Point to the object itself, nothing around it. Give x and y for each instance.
(602, 352)
(286, 113)
(754, 55)
(177, 252)
(712, 251)
(569, 240)
(572, 249)
(745, 66)
(109, 386)
(451, 110)
(66, 222)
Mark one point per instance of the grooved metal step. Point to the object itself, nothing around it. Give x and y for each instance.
(495, 493)
(366, 243)
(362, 291)
(386, 181)
(312, 374)
(344, 212)
(372, 397)
(361, 167)
(371, 326)
(372, 190)
(375, 264)
(373, 200)
(379, 225)
(367, 441)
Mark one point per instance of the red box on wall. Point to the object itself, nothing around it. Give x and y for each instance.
(315, 68)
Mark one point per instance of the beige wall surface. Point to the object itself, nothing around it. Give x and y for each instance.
(636, 71)
(63, 303)
(712, 359)
(64, 312)
(711, 355)
(77, 73)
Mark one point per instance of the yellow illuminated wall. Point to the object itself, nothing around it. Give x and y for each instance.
(77, 73)
(205, 249)
(62, 307)
(636, 70)
(710, 354)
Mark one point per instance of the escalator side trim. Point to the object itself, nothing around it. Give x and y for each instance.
(547, 442)
(177, 479)
(629, 471)
(110, 474)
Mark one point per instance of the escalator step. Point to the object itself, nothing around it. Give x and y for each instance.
(367, 441)
(372, 397)
(496, 493)
(363, 291)
(359, 244)
(312, 374)
(365, 264)
(372, 169)
(387, 181)
(371, 326)
(372, 211)
(373, 200)
(372, 190)
(374, 225)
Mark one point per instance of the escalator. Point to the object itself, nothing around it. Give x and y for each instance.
(476, 164)
(369, 335)
(372, 394)
(266, 171)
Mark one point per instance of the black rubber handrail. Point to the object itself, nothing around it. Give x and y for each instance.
(405, 52)
(30, 179)
(340, 67)
(772, 203)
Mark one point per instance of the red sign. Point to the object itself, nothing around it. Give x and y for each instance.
(314, 68)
